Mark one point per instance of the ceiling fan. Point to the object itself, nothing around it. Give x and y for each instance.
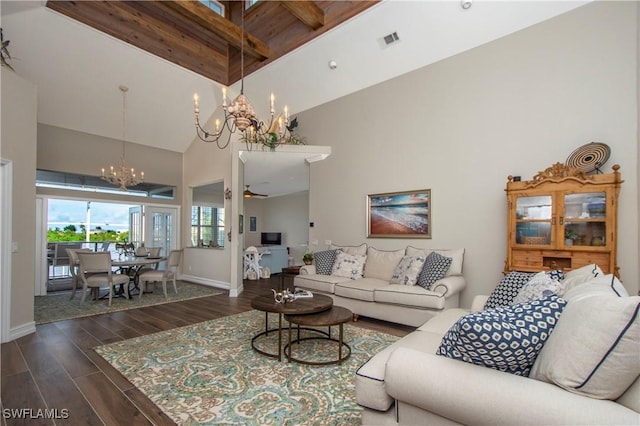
(248, 193)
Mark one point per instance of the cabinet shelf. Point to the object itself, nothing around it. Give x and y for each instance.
(563, 219)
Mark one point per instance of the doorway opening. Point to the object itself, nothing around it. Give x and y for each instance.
(99, 226)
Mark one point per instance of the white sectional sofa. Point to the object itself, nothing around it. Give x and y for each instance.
(586, 372)
(371, 291)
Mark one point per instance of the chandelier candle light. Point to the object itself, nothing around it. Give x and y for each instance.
(123, 176)
(239, 115)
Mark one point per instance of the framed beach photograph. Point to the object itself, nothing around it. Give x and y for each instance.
(399, 214)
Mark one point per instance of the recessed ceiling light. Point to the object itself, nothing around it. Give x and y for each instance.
(466, 4)
(333, 64)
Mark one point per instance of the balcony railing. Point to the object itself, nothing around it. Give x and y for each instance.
(58, 259)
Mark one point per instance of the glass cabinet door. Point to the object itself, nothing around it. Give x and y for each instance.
(585, 219)
(533, 220)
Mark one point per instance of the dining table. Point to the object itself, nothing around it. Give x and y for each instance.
(132, 265)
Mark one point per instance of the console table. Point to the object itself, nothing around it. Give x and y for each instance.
(275, 258)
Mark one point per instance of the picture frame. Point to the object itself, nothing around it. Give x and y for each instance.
(405, 214)
(241, 224)
(253, 224)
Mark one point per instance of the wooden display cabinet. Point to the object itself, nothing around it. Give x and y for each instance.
(563, 219)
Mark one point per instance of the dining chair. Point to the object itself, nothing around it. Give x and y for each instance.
(151, 252)
(95, 272)
(154, 251)
(141, 251)
(155, 275)
(73, 268)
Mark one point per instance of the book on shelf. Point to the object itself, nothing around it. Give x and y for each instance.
(303, 294)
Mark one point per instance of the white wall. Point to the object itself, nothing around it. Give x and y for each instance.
(461, 126)
(19, 135)
(288, 214)
(204, 163)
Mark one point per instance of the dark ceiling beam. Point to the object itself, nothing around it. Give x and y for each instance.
(306, 11)
(223, 28)
(133, 24)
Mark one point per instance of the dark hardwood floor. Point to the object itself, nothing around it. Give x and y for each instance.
(56, 369)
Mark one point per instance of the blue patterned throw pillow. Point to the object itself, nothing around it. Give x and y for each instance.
(407, 270)
(506, 339)
(556, 274)
(434, 269)
(349, 266)
(324, 261)
(507, 289)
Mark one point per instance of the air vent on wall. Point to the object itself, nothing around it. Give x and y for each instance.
(389, 39)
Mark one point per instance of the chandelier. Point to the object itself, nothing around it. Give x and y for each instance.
(122, 175)
(239, 116)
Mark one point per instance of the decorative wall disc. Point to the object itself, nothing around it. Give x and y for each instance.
(589, 157)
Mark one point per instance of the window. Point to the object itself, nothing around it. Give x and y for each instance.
(249, 3)
(77, 182)
(214, 5)
(207, 226)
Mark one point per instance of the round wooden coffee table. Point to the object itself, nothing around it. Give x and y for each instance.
(337, 315)
(267, 304)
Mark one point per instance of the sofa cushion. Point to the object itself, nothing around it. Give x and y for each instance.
(381, 264)
(443, 321)
(507, 289)
(407, 271)
(361, 249)
(507, 338)
(370, 389)
(324, 261)
(456, 255)
(409, 295)
(595, 348)
(361, 289)
(347, 265)
(435, 268)
(539, 286)
(317, 282)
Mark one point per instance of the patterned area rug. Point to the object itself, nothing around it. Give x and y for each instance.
(208, 373)
(57, 307)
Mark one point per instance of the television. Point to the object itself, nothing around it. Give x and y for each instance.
(271, 238)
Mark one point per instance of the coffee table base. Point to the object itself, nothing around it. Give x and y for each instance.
(335, 316)
(268, 330)
(342, 355)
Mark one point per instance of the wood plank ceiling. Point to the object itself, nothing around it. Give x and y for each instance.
(189, 34)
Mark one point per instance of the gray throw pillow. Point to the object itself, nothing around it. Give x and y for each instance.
(324, 261)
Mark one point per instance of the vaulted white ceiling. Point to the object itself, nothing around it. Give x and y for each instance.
(78, 69)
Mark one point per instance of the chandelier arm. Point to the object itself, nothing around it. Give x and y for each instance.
(239, 115)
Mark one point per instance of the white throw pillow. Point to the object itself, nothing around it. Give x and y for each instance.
(407, 270)
(347, 265)
(580, 276)
(594, 349)
(456, 255)
(539, 286)
(381, 264)
(602, 285)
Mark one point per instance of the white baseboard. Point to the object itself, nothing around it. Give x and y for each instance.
(205, 281)
(21, 331)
